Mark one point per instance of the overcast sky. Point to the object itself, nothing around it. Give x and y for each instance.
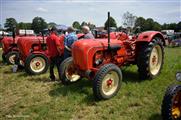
(94, 11)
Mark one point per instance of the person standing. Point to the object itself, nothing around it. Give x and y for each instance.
(87, 33)
(68, 41)
(55, 51)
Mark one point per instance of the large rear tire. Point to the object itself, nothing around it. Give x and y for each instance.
(36, 64)
(107, 82)
(150, 59)
(171, 105)
(11, 56)
(67, 72)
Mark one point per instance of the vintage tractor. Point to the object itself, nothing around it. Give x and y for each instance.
(101, 59)
(33, 54)
(171, 105)
(9, 45)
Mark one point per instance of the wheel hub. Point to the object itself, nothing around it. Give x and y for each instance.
(71, 74)
(155, 60)
(110, 83)
(37, 64)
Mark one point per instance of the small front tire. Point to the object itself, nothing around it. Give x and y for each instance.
(107, 82)
(36, 64)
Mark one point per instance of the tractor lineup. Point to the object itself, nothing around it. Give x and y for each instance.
(100, 60)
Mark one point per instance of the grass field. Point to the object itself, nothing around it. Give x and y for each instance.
(35, 97)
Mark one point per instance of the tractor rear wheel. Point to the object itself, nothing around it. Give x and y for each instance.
(171, 105)
(11, 56)
(150, 59)
(67, 72)
(107, 82)
(36, 64)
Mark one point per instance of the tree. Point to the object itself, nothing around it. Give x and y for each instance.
(23, 25)
(76, 25)
(149, 24)
(157, 26)
(51, 24)
(140, 24)
(112, 23)
(10, 23)
(38, 24)
(129, 20)
(83, 23)
(91, 26)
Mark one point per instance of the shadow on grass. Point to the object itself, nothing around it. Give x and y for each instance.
(130, 76)
(155, 117)
(78, 87)
(81, 87)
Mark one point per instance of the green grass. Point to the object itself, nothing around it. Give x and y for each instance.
(35, 97)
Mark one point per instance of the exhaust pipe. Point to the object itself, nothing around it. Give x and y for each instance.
(14, 35)
(108, 30)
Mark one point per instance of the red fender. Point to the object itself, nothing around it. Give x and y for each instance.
(149, 35)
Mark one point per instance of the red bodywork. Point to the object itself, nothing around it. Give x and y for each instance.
(9, 45)
(123, 51)
(28, 45)
(31, 45)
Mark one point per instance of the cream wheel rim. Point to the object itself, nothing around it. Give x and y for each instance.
(12, 59)
(110, 83)
(155, 60)
(37, 64)
(71, 74)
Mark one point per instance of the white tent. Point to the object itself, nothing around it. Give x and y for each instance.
(2, 32)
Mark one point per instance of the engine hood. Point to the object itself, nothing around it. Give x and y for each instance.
(83, 50)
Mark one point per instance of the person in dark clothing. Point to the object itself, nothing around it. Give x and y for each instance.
(55, 50)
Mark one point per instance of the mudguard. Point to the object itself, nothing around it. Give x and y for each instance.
(149, 35)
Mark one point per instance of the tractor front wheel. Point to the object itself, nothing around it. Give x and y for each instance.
(150, 59)
(107, 82)
(36, 64)
(11, 56)
(171, 105)
(67, 72)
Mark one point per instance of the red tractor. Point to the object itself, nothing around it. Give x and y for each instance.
(171, 105)
(33, 54)
(10, 49)
(100, 60)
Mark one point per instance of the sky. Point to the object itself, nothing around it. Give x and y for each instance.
(94, 11)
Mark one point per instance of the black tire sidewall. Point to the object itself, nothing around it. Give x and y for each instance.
(28, 60)
(143, 59)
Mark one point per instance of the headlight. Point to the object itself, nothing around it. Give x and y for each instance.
(98, 61)
(98, 58)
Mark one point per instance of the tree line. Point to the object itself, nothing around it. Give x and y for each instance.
(133, 23)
